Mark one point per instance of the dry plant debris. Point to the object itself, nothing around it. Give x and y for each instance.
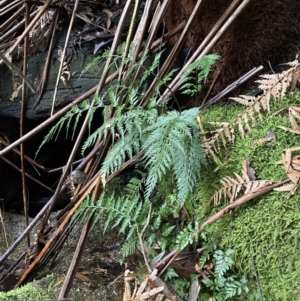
(272, 86)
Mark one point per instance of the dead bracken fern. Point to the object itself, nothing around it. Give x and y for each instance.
(292, 168)
(291, 163)
(294, 113)
(264, 140)
(272, 85)
(232, 186)
(136, 291)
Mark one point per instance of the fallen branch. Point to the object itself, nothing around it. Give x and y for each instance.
(238, 202)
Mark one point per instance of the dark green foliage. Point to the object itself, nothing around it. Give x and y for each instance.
(172, 143)
(223, 285)
(187, 236)
(192, 84)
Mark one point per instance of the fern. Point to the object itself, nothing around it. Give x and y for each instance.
(169, 144)
(173, 143)
(233, 185)
(129, 247)
(274, 86)
(187, 236)
(202, 68)
(124, 212)
(223, 285)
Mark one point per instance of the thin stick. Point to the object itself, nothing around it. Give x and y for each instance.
(27, 175)
(22, 120)
(231, 87)
(62, 58)
(114, 46)
(43, 81)
(211, 86)
(238, 202)
(140, 235)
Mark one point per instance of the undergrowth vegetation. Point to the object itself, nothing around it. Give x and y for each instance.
(170, 157)
(158, 205)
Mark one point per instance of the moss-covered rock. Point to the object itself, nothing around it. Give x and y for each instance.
(264, 232)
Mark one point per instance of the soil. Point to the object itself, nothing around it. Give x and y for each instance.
(99, 273)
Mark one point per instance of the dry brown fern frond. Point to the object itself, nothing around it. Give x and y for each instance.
(275, 85)
(248, 170)
(294, 112)
(233, 185)
(134, 290)
(223, 134)
(292, 168)
(261, 141)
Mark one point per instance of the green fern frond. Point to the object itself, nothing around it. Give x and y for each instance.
(150, 70)
(201, 68)
(129, 246)
(123, 212)
(187, 169)
(187, 236)
(170, 138)
(96, 64)
(75, 112)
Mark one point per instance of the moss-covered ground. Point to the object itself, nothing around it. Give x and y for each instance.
(265, 232)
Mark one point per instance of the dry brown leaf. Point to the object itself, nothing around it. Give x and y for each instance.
(286, 188)
(16, 87)
(86, 281)
(150, 293)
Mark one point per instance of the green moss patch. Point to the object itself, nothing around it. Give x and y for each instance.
(266, 230)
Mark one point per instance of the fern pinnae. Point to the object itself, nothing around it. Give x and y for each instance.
(233, 185)
(130, 246)
(55, 130)
(161, 144)
(273, 85)
(150, 70)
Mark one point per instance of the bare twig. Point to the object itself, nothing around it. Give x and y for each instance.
(231, 87)
(22, 120)
(47, 63)
(62, 58)
(27, 175)
(140, 235)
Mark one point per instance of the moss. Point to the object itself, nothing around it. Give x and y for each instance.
(30, 292)
(48, 288)
(267, 229)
